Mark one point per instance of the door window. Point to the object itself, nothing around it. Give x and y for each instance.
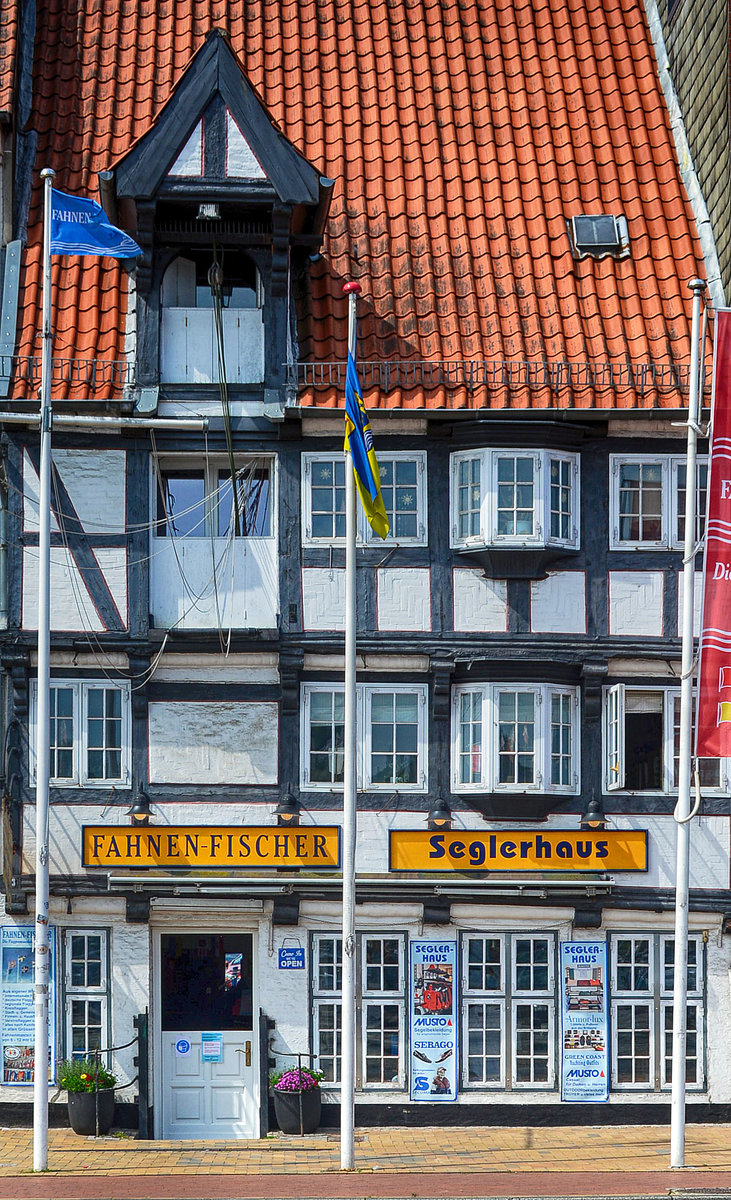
(206, 981)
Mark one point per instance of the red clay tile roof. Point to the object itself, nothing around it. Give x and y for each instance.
(462, 134)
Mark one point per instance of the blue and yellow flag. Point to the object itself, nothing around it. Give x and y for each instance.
(359, 441)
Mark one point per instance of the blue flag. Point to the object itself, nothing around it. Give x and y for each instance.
(359, 441)
(80, 226)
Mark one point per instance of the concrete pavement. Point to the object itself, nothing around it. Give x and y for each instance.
(398, 1162)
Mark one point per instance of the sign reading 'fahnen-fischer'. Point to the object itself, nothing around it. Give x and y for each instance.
(519, 850)
(259, 846)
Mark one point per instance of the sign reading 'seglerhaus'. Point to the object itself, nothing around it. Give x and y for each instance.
(258, 846)
(519, 850)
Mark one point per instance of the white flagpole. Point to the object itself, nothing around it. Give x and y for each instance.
(683, 809)
(42, 964)
(347, 1074)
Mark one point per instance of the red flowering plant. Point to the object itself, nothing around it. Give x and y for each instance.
(84, 1075)
(295, 1079)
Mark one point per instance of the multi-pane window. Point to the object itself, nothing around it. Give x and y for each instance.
(392, 752)
(89, 726)
(648, 497)
(201, 501)
(380, 1007)
(508, 1010)
(403, 487)
(642, 742)
(642, 1011)
(86, 990)
(515, 737)
(515, 498)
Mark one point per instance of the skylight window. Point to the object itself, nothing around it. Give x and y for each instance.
(599, 235)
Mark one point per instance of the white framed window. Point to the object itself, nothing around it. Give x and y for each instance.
(647, 501)
(86, 986)
(89, 733)
(198, 500)
(380, 1009)
(514, 498)
(642, 742)
(403, 487)
(508, 1011)
(641, 981)
(393, 748)
(515, 737)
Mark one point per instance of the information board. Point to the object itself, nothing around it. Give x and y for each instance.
(585, 1054)
(433, 1020)
(17, 1013)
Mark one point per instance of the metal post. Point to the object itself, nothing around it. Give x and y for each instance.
(683, 808)
(42, 972)
(347, 1077)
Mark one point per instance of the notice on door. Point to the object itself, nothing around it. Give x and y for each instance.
(433, 1021)
(258, 846)
(585, 1056)
(211, 1047)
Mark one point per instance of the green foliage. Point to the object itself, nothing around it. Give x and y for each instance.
(83, 1075)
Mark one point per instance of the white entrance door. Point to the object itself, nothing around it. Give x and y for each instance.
(209, 1061)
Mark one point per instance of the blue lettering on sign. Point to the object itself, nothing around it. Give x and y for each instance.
(292, 958)
(421, 1083)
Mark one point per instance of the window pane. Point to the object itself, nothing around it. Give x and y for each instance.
(181, 504)
(253, 518)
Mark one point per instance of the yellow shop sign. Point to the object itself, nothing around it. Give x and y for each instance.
(253, 846)
(519, 850)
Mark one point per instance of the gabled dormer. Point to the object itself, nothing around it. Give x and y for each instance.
(226, 211)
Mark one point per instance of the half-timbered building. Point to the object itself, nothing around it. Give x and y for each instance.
(503, 181)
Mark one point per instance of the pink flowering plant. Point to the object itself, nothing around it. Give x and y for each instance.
(84, 1075)
(295, 1079)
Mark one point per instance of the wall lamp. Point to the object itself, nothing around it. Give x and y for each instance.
(593, 817)
(287, 811)
(440, 816)
(139, 813)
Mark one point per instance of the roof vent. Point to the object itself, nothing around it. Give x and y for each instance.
(599, 235)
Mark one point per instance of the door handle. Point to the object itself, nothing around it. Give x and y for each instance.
(247, 1052)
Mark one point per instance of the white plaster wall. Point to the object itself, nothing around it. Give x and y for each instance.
(213, 742)
(480, 605)
(96, 484)
(697, 603)
(323, 598)
(228, 583)
(219, 668)
(404, 599)
(635, 603)
(72, 607)
(558, 603)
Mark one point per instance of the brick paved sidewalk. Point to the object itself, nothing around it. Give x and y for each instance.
(571, 1161)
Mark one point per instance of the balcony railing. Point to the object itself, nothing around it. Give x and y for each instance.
(494, 376)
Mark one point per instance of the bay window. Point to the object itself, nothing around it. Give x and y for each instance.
(515, 498)
(515, 737)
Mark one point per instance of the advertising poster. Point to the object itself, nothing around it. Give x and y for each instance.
(17, 1015)
(585, 1056)
(432, 1020)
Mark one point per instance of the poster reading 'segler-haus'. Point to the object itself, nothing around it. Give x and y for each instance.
(584, 1057)
(433, 1020)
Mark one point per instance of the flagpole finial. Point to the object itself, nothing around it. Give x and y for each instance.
(697, 285)
(352, 287)
(48, 173)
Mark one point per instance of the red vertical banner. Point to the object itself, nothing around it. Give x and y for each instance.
(714, 672)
